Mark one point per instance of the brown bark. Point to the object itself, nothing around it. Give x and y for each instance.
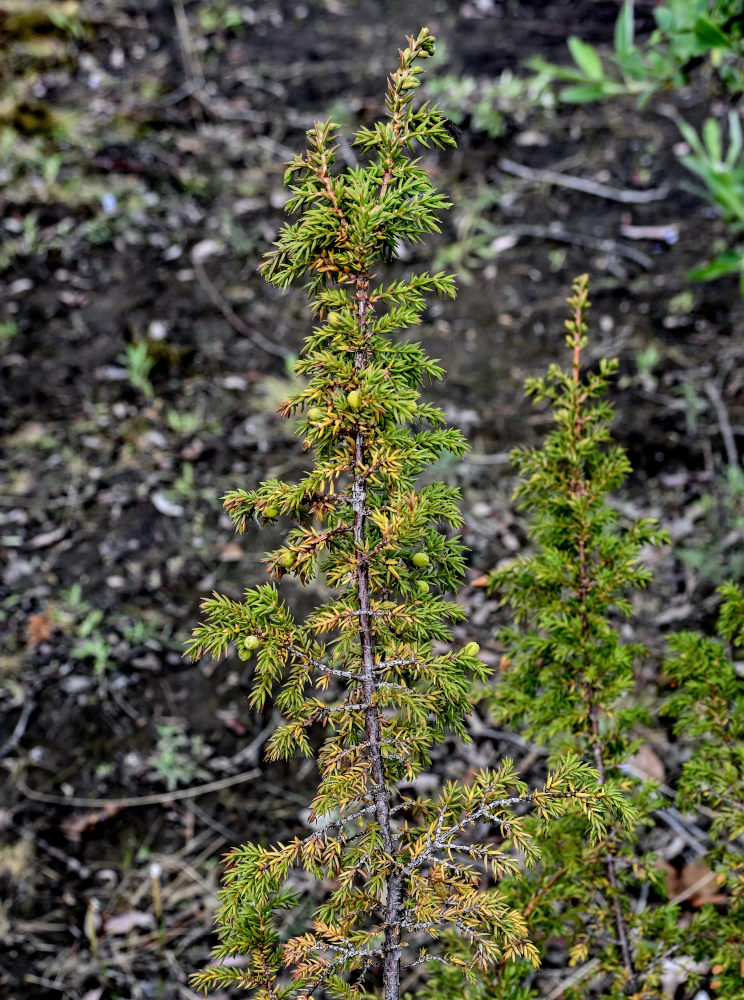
(381, 791)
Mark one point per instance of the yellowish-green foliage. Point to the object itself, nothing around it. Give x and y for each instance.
(359, 682)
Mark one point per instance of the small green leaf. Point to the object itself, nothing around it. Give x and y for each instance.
(710, 35)
(712, 140)
(584, 94)
(624, 30)
(730, 262)
(664, 19)
(586, 58)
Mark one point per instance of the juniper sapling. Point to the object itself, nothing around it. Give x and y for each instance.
(568, 678)
(565, 677)
(363, 666)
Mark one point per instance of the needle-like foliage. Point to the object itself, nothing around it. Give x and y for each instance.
(360, 683)
(568, 673)
(568, 681)
(708, 711)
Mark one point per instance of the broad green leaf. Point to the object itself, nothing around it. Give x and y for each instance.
(586, 58)
(539, 65)
(710, 35)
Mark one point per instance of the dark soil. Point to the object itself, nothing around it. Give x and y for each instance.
(138, 198)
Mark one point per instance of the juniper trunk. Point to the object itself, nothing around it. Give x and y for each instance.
(391, 948)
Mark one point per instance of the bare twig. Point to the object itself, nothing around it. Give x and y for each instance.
(691, 890)
(212, 823)
(479, 731)
(689, 832)
(729, 442)
(583, 184)
(249, 754)
(20, 728)
(232, 317)
(583, 240)
(576, 977)
(130, 802)
(191, 65)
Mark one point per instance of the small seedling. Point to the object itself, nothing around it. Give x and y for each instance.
(139, 364)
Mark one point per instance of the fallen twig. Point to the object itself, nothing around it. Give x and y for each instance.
(576, 977)
(129, 802)
(693, 889)
(583, 184)
(690, 833)
(494, 458)
(20, 728)
(232, 317)
(190, 60)
(583, 240)
(72, 864)
(724, 424)
(667, 232)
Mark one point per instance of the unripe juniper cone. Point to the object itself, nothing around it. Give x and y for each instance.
(367, 683)
(354, 399)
